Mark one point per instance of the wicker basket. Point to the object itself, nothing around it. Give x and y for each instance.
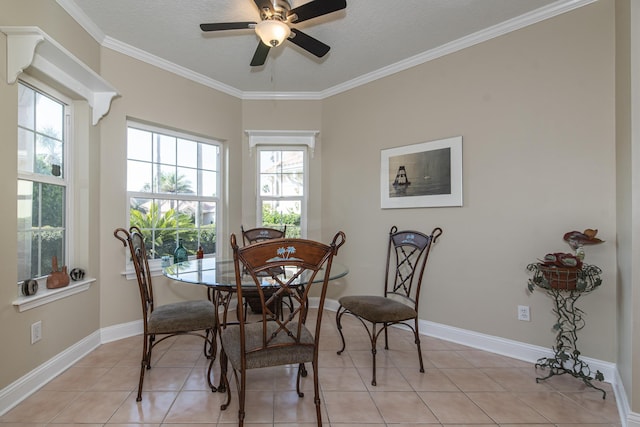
(561, 278)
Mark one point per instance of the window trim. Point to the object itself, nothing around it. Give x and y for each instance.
(155, 264)
(29, 46)
(45, 295)
(305, 197)
(55, 62)
(68, 176)
(282, 137)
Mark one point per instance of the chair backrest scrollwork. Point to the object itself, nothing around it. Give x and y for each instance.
(307, 263)
(406, 261)
(134, 240)
(260, 234)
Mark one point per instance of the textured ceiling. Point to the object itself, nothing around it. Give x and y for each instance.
(369, 39)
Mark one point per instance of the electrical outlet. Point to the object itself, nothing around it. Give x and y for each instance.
(36, 332)
(523, 313)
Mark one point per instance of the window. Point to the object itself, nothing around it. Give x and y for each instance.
(43, 181)
(282, 188)
(173, 186)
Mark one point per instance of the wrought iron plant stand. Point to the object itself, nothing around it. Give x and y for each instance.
(566, 286)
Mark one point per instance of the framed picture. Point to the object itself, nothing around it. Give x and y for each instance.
(428, 174)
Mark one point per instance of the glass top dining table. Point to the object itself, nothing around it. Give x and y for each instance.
(220, 273)
(219, 277)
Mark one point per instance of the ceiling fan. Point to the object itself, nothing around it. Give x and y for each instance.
(276, 15)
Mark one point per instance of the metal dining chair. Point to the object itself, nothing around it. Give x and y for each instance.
(255, 235)
(407, 254)
(164, 321)
(260, 234)
(271, 340)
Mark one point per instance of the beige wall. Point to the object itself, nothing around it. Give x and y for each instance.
(67, 321)
(161, 98)
(536, 111)
(628, 206)
(282, 115)
(53, 20)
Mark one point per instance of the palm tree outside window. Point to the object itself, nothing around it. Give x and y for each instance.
(173, 185)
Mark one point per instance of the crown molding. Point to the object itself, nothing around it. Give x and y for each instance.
(557, 8)
(533, 17)
(81, 18)
(282, 96)
(163, 64)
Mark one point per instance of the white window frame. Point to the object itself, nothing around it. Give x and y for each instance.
(284, 139)
(30, 48)
(67, 181)
(156, 264)
(303, 199)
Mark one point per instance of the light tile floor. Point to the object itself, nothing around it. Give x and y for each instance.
(461, 386)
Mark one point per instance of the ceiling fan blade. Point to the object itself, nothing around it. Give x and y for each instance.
(264, 4)
(260, 55)
(309, 43)
(315, 8)
(221, 26)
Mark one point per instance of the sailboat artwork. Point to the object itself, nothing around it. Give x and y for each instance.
(427, 174)
(401, 182)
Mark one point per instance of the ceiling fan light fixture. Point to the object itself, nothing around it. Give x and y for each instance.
(272, 32)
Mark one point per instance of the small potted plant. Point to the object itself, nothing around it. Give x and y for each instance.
(566, 271)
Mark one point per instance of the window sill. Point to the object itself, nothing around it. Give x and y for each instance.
(153, 270)
(45, 296)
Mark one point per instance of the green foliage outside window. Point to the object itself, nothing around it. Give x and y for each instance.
(273, 218)
(162, 231)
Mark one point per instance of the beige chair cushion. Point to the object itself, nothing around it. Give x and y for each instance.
(378, 309)
(183, 316)
(272, 356)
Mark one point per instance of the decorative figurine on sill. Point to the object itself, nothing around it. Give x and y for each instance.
(29, 287)
(57, 278)
(76, 274)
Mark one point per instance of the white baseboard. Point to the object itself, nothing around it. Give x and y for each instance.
(25, 386)
(517, 350)
(124, 330)
(633, 420)
(22, 388)
(506, 347)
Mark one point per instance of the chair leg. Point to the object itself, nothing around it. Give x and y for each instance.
(140, 381)
(209, 370)
(214, 353)
(386, 337)
(316, 391)
(145, 363)
(210, 344)
(241, 396)
(299, 376)
(224, 381)
(339, 314)
(374, 338)
(417, 341)
(224, 378)
(152, 339)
